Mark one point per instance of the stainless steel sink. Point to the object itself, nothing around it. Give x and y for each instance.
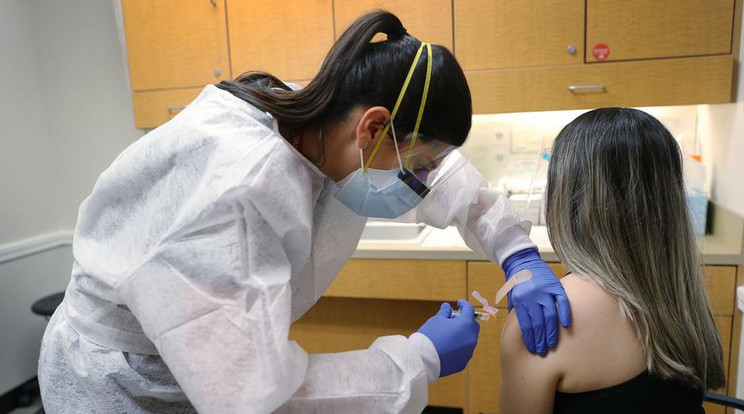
(391, 232)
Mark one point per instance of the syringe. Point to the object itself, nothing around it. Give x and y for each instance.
(479, 314)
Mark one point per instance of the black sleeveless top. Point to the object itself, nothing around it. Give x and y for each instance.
(642, 394)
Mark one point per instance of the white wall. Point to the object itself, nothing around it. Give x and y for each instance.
(86, 87)
(65, 114)
(28, 174)
(722, 127)
(23, 282)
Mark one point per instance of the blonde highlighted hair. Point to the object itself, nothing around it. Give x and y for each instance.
(617, 213)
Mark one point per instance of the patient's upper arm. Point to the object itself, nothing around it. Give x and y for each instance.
(528, 381)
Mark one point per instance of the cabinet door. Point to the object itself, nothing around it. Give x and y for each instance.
(720, 283)
(724, 324)
(642, 29)
(287, 38)
(345, 324)
(427, 20)
(492, 34)
(175, 44)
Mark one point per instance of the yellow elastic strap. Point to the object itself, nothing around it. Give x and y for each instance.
(421, 108)
(397, 103)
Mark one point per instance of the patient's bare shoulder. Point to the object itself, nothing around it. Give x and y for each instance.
(600, 348)
(597, 351)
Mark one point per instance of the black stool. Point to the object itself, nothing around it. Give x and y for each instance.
(44, 307)
(47, 305)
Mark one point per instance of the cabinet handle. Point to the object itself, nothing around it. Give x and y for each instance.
(177, 108)
(214, 4)
(575, 88)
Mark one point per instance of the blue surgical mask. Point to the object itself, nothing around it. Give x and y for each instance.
(377, 193)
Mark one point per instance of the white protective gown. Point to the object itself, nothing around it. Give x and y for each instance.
(195, 251)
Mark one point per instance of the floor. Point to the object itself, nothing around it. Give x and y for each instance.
(429, 410)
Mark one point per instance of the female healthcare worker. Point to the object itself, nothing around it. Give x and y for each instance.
(207, 237)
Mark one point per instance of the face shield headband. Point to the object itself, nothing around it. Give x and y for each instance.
(406, 175)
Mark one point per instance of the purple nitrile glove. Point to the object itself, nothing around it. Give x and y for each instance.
(454, 338)
(535, 301)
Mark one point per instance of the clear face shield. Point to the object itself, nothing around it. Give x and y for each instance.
(425, 165)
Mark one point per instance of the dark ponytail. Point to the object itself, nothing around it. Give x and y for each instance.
(359, 72)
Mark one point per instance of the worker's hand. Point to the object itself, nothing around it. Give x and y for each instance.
(454, 338)
(535, 301)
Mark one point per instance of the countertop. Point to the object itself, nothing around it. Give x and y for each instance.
(723, 246)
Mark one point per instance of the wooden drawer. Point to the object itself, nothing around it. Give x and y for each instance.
(342, 324)
(154, 108)
(400, 279)
(643, 83)
(720, 283)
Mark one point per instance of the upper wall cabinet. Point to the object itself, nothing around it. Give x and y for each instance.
(518, 55)
(175, 44)
(429, 21)
(174, 49)
(287, 38)
(528, 55)
(493, 34)
(643, 29)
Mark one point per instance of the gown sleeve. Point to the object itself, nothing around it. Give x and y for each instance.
(215, 301)
(485, 218)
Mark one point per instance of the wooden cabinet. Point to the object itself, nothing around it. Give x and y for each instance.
(344, 324)
(175, 44)
(372, 298)
(427, 20)
(287, 38)
(518, 33)
(642, 29)
(174, 48)
(517, 54)
(720, 282)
